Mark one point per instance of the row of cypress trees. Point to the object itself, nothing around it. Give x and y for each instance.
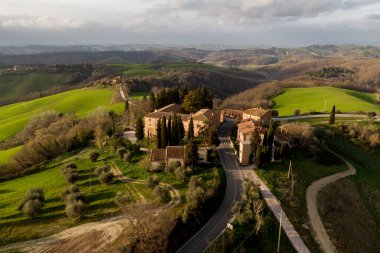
(170, 131)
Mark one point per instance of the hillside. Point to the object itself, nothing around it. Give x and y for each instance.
(14, 117)
(313, 100)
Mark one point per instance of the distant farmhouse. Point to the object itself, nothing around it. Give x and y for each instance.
(166, 156)
(202, 119)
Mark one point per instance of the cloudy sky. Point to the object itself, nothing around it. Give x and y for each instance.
(237, 22)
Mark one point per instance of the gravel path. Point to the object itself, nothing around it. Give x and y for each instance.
(312, 208)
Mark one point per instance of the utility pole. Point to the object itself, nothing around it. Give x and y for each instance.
(279, 234)
(290, 169)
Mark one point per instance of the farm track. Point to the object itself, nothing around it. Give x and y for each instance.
(311, 197)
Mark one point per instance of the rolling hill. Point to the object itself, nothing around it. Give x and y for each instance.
(14, 117)
(313, 100)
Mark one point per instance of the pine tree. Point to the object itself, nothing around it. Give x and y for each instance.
(190, 132)
(164, 140)
(212, 137)
(191, 153)
(139, 129)
(169, 131)
(332, 116)
(158, 136)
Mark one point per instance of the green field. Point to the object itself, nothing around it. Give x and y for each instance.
(6, 155)
(14, 226)
(14, 117)
(313, 100)
(18, 85)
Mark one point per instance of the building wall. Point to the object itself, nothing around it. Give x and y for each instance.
(244, 152)
(233, 113)
(248, 116)
(150, 126)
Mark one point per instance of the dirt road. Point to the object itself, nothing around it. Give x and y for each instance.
(312, 207)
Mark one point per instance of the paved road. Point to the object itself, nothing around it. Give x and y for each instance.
(276, 208)
(323, 116)
(210, 232)
(312, 208)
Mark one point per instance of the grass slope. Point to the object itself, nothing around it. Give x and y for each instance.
(6, 155)
(14, 117)
(313, 100)
(17, 86)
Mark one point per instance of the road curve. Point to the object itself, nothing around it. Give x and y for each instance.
(217, 224)
(312, 208)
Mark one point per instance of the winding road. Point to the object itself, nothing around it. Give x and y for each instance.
(216, 226)
(311, 197)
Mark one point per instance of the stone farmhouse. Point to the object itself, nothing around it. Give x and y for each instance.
(202, 119)
(166, 156)
(259, 115)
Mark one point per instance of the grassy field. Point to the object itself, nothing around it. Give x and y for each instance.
(305, 171)
(313, 100)
(6, 155)
(350, 208)
(14, 117)
(19, 85)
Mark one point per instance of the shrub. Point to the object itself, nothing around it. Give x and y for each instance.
(152, 181)
(162, 193)
(94, 155)
(297, 112)
(102, 169)
(72, 189)
(72, 166)
(75, 209)
(121, 152)
(127, 157)
(180, 174)
(70, 174)
(106, 177)
(32, 208)
(32, 194)
(171, 167)
(136, 148)
(122, 199)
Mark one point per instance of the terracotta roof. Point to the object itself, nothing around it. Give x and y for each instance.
(256, 112)
(246, 124)
(171, 108)
(158, 115)
(205, 115)
(158, 155)
(175, 152)
(233, 107)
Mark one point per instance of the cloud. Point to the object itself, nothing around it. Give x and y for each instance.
(39, 22)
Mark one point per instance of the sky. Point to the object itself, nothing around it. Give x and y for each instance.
(223, 22)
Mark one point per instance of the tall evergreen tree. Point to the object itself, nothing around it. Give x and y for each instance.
(169, 131)
(152, 102)
(164, 140)
(126, 105)
(181, 130)
(332, 116)
(190, 131)
(212, 137)
(258, 157)
(158, 135)
(255, 141)
(175, 134)
(139, 129)
(191, 153)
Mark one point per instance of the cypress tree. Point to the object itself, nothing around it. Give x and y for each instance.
(158, 135)
(255, 141)
(175, 133)
(190, 132)
(126, 106)
(191, 153)
(169, 131)
(181, 130)
(332, 116)
(163, 133)
(139, 129)
(258, 156)
(152, 102)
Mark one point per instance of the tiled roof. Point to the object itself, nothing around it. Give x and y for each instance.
(158, 115)
(256, 112)
(158, 155)
(246, 124)
(175, 152)
(171, 108)
(205, 115)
